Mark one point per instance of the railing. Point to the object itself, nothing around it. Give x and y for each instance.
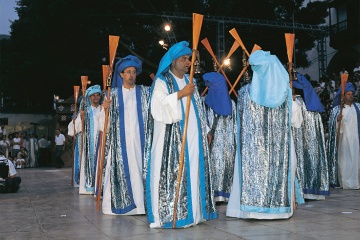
(339, 27)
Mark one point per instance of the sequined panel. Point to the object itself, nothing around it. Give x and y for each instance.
(331, 147)
(264, 147)
(222, 150)
(312, 165)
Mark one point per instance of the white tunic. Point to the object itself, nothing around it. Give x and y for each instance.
(348, 149)
(166, 109)
(133, 149)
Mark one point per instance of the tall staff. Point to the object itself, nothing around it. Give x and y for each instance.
(197, 23)
(206, 44)
(84, 81)
(289, 39)
(237, 38)
(76, 95)
(105, 72)
(344, 78)
(113, 44)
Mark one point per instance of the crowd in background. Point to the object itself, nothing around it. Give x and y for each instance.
(25, 149)
(327, 86)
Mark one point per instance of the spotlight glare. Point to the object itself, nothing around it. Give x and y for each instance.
(167, 27)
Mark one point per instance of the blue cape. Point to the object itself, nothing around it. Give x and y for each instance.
(312, 100)
(270, 82)
(121, 65)
(217, 98)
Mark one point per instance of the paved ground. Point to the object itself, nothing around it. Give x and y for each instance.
(47, 207)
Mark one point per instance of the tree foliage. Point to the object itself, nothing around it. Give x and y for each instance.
(54, 42)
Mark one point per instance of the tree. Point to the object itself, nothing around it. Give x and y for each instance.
(55, 42)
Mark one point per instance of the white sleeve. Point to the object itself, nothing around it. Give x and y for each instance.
(71, 128)
(12, 170)
(78, 123)
(165, 107)
(297, 118)
(100, 117)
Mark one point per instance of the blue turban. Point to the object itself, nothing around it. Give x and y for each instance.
(270, 82)
(177, 50)
(93, 89)
(90, 91)
(312, 100)
(121, 65)
(217, 98)
(337, 99)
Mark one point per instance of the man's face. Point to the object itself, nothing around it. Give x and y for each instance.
(95, 99)
(129, 77)
(57, 132)
(349, 97)
(182, 64)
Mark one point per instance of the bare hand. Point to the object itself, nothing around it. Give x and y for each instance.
(106, 103)
(186, 91)
(339, 118)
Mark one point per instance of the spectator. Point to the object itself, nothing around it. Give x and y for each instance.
(43, 148)
(9, 182)
(4, 146)
(22, 158)
(16, 144)
(59, 148)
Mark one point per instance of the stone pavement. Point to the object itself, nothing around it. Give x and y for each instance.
(48, 207)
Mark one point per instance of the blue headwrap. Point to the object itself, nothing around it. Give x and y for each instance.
(312, 100)
(90, 91)
(270, 81)
(337, 99)
(177, 50)
(121, 65)
(217, 98)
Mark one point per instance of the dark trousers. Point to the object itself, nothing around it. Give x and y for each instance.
(44, 157)
(10, 185)
(58, 151)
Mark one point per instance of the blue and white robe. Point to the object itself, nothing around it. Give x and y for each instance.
(123, 189)
(196, 196)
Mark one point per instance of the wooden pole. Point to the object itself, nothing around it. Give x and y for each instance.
(113, 44)
(289, 39)
(255, 48)
(84, 81)
(237, 38)
(76, 95)
(105, 72)
(344, 78)
(206, 44)
(197, 23)
(232, 50)
(235, 35)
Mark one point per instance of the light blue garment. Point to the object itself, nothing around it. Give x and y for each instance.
(92, 90)
(177, 50)
(270, 80)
